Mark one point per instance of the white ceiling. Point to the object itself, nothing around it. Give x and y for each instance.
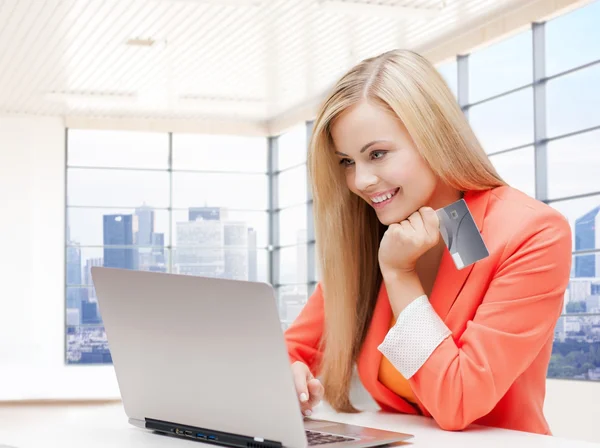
(218, 59)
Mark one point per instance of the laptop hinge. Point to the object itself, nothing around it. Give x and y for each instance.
(206, 435)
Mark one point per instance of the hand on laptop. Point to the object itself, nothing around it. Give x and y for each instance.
(310, 390)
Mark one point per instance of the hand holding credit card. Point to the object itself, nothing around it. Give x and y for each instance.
(461, 235)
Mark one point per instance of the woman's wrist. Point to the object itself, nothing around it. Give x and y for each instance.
(402, 287)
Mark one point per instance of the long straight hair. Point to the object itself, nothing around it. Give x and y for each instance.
(346, 227)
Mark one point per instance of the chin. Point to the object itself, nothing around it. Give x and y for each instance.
(392, 216)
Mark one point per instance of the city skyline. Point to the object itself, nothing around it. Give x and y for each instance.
(217, 247)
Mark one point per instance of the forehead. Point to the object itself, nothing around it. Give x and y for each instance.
(363, 123)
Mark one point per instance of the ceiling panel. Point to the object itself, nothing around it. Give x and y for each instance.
(199, 59)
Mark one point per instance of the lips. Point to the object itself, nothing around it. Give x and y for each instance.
(382, 199)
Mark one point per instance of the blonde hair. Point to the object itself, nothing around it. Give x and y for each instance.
(346, 227)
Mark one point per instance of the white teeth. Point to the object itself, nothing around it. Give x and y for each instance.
(383, 197)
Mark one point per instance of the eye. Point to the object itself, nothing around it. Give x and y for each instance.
(346, 162)
(378, 154)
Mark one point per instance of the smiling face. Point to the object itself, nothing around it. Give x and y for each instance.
(382, 164)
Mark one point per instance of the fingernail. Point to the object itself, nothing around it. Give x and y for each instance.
(308, 412)
(303, 397)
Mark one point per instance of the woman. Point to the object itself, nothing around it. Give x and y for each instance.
(389, 147)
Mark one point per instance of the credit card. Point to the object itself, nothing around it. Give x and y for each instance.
(461, 235)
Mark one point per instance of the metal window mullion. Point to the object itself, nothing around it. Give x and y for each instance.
(310, 229)
(273, 214)
(539, 111)
(171, 201)
(462, 66)
(65, 249)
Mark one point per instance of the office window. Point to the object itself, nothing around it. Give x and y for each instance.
(583, 215)
(449, 72)
(573, 165)
(501, 67)
(573, 101)
(292, 186)
(291, 147)
(292, 225)
(572, 39)
(517, 168)
(505, 122)
(292, 239)
(194, 205)
(219, 153)
(576, 351)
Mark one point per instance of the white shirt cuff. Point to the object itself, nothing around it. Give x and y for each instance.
(411, 341)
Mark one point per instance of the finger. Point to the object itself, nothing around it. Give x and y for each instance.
(431, 221)
(301, 386)
(406, 229)
(316, 392)
(416, 220)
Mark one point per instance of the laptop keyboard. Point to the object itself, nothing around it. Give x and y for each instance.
(321, 438)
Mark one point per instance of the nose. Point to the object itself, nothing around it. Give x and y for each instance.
(363, 177)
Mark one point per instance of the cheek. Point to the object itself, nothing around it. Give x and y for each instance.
(349, 175)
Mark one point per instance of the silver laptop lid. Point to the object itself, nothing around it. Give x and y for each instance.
(200, 351)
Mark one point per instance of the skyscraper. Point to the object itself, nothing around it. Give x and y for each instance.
(73, 276)
(200, 248)
(587, 236)
(205, 213)
(236, 250)
(145, 216)
(119, 231)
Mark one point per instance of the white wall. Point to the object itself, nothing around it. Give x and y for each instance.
(32, 304)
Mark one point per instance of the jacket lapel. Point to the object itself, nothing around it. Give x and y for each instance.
(447, 286)
(449, 280)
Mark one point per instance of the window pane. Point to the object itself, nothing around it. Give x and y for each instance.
(196, 226)
(122, 149)
(583, 217)
(80, 260)
(573, 101)
(292, 225)
(76, 297)
(504, 123)
(576, 349)
(117, 188)
(237, 262)
(583, 292)
(292, 265)
(292, 186)
(449, 72)
(93, 226)
(292, 147)
(219, 153)
(500, 67)
(572, 39)
(517, 168)
(291, 300)
(573, 165)
(242, 191)
(87, 344)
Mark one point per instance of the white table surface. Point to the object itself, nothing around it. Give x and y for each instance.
(67, 426)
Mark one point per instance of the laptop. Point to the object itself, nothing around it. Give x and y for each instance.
(205, 359)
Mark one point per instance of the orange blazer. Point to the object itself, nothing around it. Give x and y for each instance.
(501, 311)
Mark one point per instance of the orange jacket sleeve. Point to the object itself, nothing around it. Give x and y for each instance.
(303, 337)
(465, 378)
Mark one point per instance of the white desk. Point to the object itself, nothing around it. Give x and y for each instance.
(106, 426)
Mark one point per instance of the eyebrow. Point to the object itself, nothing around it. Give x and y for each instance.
(363, 149)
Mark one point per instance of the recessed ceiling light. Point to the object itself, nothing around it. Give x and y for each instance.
(140, 42)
